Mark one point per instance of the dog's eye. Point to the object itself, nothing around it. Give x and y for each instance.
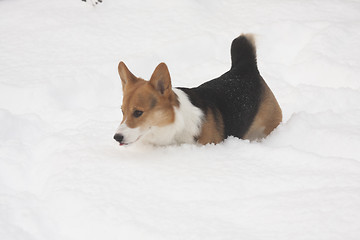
(137, 113)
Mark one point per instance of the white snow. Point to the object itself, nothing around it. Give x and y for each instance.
(63, 177)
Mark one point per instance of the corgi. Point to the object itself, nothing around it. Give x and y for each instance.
(238, 103)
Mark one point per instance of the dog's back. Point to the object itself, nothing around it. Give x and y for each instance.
(240, 102)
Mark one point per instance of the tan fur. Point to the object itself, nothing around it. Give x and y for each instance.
(268, 116)
(251, 38)
(211, 131)
(157, 104)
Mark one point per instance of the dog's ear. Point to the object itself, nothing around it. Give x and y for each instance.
(125, 75)
(160, 79)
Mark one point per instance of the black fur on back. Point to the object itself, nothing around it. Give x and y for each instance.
(235, 94)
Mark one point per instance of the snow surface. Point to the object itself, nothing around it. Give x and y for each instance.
(62, 176)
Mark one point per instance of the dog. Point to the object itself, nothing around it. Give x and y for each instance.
(238, 103)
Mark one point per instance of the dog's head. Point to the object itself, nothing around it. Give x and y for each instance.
(146, 104)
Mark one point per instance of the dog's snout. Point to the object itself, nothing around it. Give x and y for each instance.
(119, 137)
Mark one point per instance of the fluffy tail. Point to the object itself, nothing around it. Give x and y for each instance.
(243, 53)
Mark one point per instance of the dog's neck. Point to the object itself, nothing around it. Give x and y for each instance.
(186, 126)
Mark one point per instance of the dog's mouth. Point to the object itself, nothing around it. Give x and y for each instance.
(137, 139)
(125, 144)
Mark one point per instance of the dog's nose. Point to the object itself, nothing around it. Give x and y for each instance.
(119, 137)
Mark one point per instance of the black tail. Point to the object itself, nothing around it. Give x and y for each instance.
(243, 53)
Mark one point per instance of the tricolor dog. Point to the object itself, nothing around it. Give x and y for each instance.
(238, 103)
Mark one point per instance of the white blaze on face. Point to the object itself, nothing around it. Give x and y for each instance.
(131, 135)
